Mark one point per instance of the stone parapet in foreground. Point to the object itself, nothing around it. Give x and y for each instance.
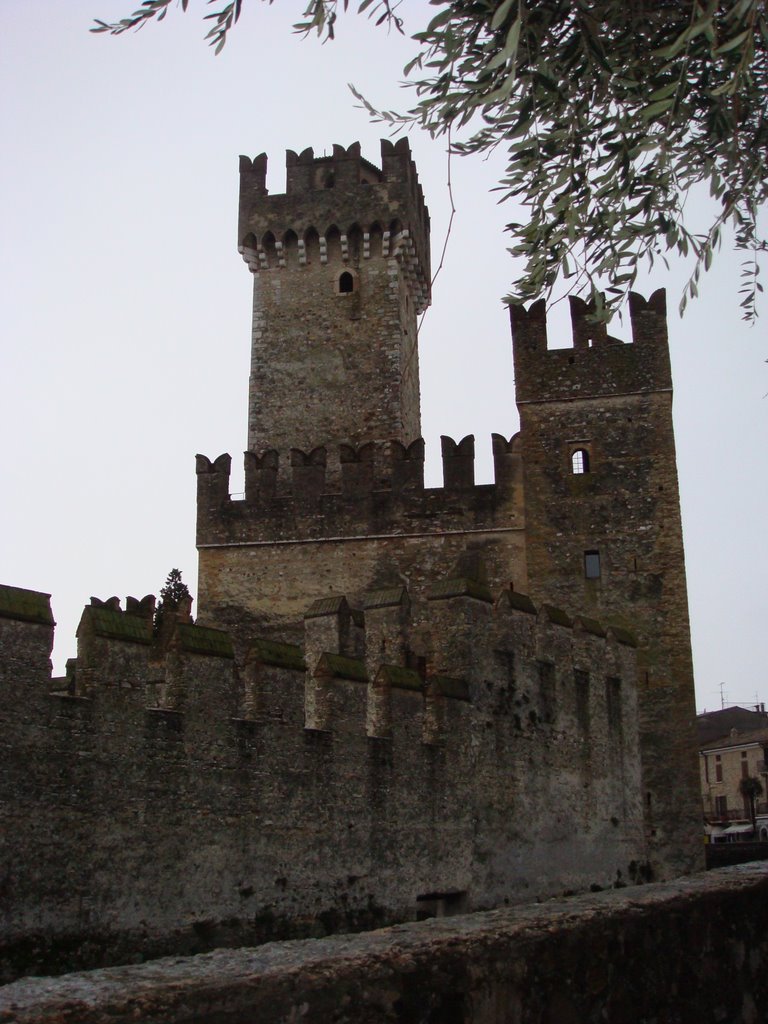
(691, 950)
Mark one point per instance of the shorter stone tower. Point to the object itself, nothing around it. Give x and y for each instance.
(341, 272)
(603, 528)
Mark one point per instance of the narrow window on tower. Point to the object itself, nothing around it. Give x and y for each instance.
(346, 283)
(580, 461)
(592, 565)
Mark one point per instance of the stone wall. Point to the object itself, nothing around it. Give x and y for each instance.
(346, 520)
(690, 952)
(408, 759)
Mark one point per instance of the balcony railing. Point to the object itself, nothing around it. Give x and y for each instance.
(729, 815)
(735, 814)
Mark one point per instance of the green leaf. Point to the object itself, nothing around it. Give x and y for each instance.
(438, 21)
(500, 14)
(731, 44)
(654, 109)
(667, 90)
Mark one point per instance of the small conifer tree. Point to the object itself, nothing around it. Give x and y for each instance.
(174, 590)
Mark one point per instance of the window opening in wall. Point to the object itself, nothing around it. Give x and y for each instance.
(580, 461)
(744, 765)
(440, 904)
(721, 806)
(592, 565)
(346, 283)
(718, 768)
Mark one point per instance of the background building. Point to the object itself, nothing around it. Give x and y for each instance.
(733, 745)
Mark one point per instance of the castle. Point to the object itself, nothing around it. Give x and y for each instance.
(396, 701)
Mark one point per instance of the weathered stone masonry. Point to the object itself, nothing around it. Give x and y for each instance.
(345, 510)
(370, 721)
(296, 536)
(167, 801)
(689, 952)
(613, 401)
(330, 364)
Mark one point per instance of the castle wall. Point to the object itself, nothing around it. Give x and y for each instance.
(342, 784)
(369, 722)
(347, 521)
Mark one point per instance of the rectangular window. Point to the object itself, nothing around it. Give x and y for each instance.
(592, 565)
(718, 769)
(744, 765)
(721, 806)
(440, 904)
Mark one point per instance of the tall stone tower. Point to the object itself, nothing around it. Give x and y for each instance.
(603, 529)
(334, 498)
(341, 272)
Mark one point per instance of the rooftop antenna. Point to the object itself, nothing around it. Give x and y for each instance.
(722, 696)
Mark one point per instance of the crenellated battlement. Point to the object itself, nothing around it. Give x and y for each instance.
(378, 486)
(442, 649)
(597, 364)
(337, 210)
(188, 784)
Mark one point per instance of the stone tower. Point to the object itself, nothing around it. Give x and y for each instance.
(334, 498)
(603, 528)
(341, 272)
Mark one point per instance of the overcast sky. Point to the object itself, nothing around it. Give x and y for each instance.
(125, 308)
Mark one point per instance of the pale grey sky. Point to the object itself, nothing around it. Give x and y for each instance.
(124, 308)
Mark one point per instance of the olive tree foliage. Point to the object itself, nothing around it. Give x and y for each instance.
(610, 112)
